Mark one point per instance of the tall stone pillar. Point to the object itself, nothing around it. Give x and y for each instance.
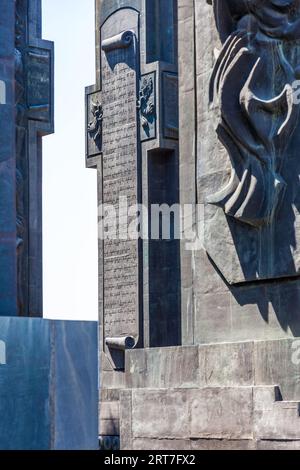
(8, 254)
(48, 369)
(132, 141)
(26, 115)
(234, 381)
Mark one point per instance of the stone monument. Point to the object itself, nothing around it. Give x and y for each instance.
(27, 81)
(48, 369)
(223, 373)
(132, 142)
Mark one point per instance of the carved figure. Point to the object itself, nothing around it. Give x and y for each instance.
(95, 126)
(146, 105)
(252, 87)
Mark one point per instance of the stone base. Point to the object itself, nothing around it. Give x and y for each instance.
(218, 396)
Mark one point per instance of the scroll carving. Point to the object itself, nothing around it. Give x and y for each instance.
(252, 88)
(120, 41)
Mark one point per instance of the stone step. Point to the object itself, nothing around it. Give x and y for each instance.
(243, 413)
(275, 418)
(249, 363)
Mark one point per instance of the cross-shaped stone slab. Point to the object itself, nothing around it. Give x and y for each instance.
(132, 112)
(112, 130)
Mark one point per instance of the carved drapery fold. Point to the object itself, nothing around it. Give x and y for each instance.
(252, 89)
(95, 125)
(146, 103)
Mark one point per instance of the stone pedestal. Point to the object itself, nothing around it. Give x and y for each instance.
(224, 375)
(240, 396)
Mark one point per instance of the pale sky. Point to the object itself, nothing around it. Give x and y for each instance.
(69, 190)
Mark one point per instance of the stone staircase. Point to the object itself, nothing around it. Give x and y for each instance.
(175, 400)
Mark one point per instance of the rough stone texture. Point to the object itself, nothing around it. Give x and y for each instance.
(210, 418)
(169, 412)
(278, 362)
(221, 413)
(222, 444)
(48, 384)
(217, 365)
(225, 417)
(211, 445)
(161, 444)
(160, 368)
(278, 445)
(275, 419)
(226, 364)
(109, 418)
(227, 401)
(187, 147)
(125, 419)
(208, 444)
